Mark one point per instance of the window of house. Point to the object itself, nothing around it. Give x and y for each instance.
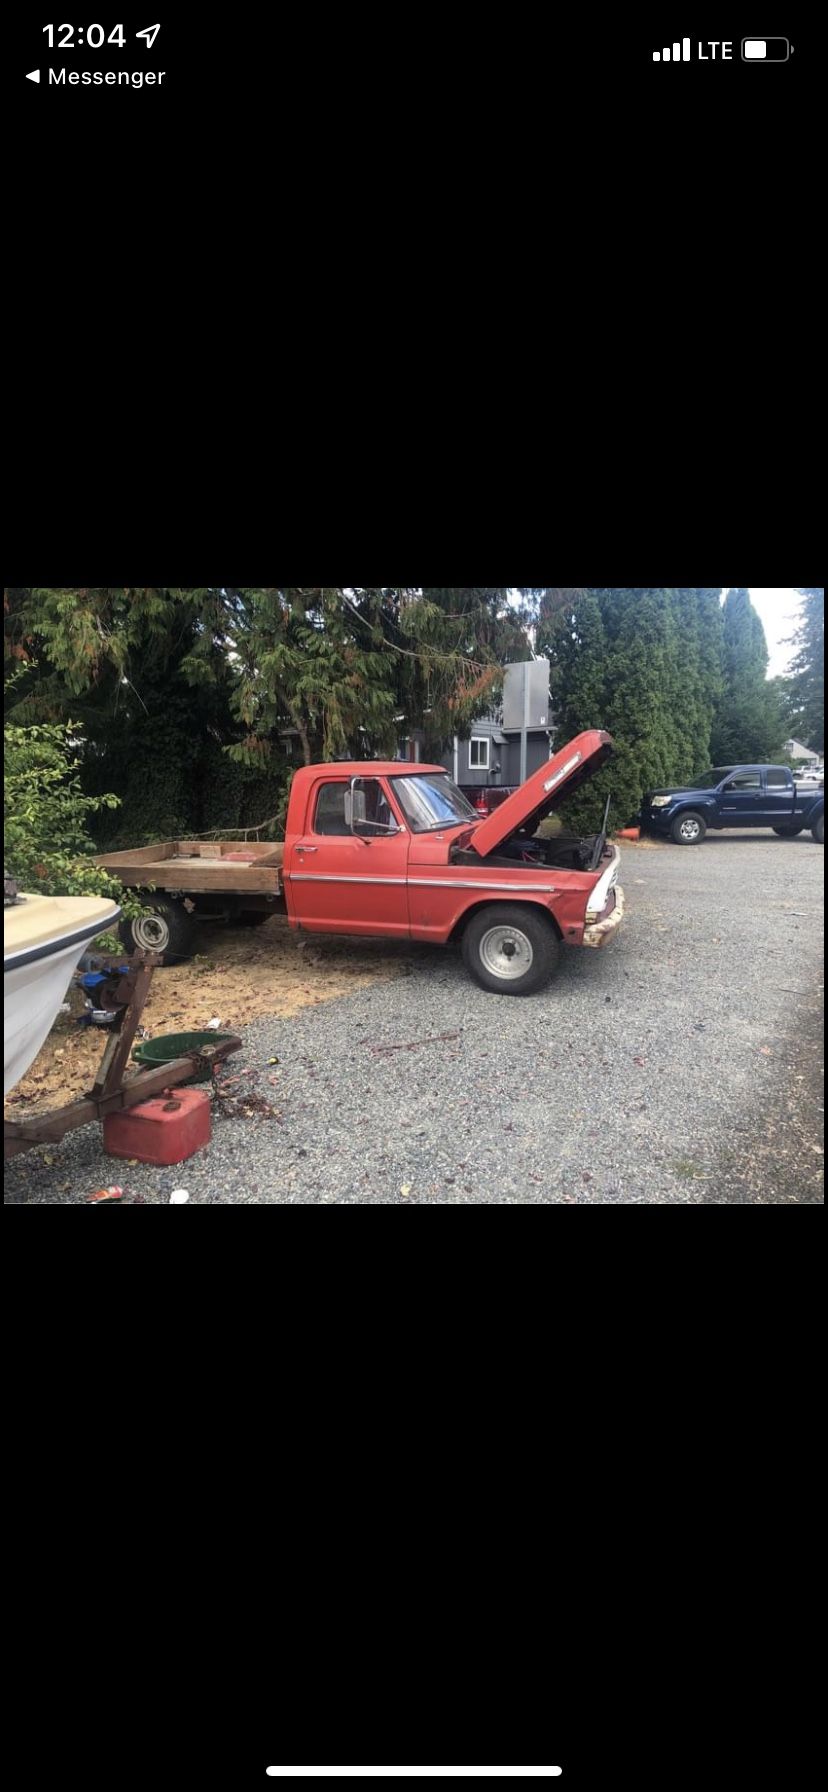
(745, 781)
(479, 753)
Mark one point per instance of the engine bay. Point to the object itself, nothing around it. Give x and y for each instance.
(570, 851)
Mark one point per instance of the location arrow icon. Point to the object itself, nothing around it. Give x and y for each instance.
(34, 76)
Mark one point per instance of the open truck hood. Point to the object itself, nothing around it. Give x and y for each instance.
(548, 786)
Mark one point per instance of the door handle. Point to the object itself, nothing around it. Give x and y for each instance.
(307, 849)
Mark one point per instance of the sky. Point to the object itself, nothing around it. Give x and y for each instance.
(779, 610)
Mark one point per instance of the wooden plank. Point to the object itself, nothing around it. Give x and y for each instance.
(116, 1057)
(163, 849)
(142, 871)
(265, 852)
(235, 879)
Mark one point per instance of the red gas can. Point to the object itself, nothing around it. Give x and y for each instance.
(163, 1130)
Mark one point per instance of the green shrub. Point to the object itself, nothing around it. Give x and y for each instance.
(46, 846)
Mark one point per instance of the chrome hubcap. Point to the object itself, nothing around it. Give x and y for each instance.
(151, 933)
(506, 953)
(689, 830)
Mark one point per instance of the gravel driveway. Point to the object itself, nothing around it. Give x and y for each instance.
(681, 1064)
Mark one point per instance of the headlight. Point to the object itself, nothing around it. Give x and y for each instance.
(660, 802)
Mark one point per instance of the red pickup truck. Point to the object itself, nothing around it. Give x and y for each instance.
(391, 848)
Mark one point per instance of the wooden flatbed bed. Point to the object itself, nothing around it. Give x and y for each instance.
(234, 867)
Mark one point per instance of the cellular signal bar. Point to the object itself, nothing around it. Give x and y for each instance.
(680, 52)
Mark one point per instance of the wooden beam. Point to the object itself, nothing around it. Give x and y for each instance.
(136, 855)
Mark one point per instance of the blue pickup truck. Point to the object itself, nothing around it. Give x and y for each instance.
(734, 796)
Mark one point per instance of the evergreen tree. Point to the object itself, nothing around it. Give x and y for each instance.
(748, 725)
(805, 685)
(571, 636)
(644, 664)
(169, 685)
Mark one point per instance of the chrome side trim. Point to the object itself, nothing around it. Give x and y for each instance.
(474, 883)
(332, 877)
(417, 883)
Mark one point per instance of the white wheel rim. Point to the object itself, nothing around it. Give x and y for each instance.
(506, 953)
(151, 933)
(689, 830)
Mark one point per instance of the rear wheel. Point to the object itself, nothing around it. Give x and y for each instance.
(688, 829)
(510, 948)
(818, 830)
(787, 833)
(165, 927)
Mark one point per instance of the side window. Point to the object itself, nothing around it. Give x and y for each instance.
(330, 810)
(372, 812)
(777, 780)
(479, 753)
(745, 781)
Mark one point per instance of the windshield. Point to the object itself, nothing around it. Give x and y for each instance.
(707, 780)
(432, 802)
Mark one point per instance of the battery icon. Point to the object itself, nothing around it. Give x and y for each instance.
(765, 49)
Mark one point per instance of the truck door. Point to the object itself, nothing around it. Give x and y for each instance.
(741, 802)
(343, 881)
(778, 804)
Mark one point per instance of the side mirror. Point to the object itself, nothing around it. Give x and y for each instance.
(356, 819)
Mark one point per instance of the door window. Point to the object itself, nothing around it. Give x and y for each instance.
(330, 810)
(372, 811)
(745, 781)
(777, 780)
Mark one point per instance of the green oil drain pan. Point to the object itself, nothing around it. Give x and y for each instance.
(155, 1052)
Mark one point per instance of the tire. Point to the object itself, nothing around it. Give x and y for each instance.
(168, 928)
(250, 917)
(688, 829)
(517, 938)
(787, 833)
(818, 830)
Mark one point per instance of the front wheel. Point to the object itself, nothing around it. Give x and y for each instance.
(818, 830)
(689, 829)
(510, 948)
(167, 927)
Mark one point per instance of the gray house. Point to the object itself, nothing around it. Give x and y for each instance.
(507, 745)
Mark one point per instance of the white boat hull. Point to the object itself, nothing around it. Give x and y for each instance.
(34, 989)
